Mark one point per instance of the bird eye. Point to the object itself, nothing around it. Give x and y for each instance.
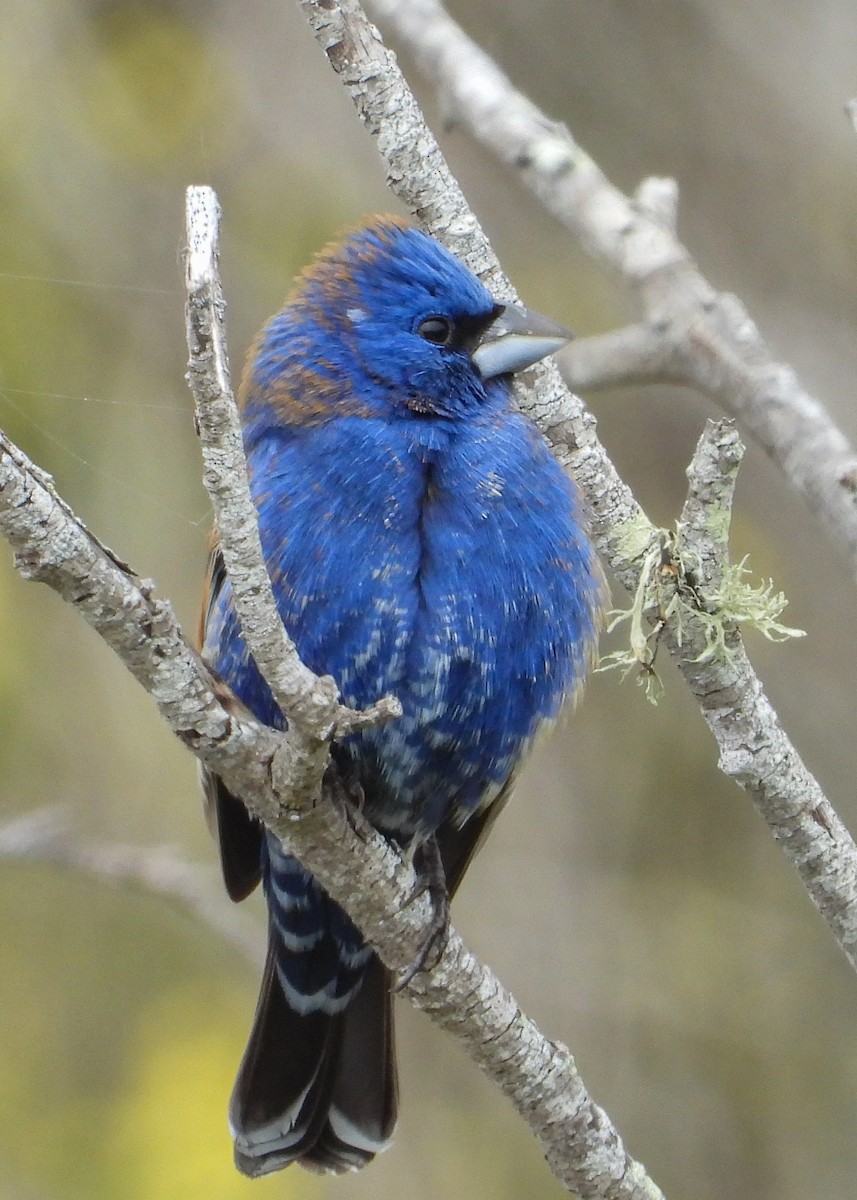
(437, 330)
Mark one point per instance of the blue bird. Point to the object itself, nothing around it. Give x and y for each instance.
(422, 541)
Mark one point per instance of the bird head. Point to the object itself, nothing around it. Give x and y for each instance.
(389, 324)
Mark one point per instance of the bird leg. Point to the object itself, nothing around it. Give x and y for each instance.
(431, 878)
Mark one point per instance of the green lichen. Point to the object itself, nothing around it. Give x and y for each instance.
(667, 595)
(737, 602)
(717, 524)
(633, 537)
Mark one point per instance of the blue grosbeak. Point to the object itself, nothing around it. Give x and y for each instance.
(421, 541)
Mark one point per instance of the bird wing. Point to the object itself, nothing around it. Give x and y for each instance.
(238, 834)
(459, 843)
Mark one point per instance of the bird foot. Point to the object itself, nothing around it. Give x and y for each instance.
(431, 879)
(348, 794)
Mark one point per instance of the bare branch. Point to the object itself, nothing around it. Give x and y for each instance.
(52, 546)
(633, 355)
(708, 336)
(707, 512)
(45, 836)
(311, 703)
(657, 198)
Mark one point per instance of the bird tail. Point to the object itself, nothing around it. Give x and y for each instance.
(317, 1084)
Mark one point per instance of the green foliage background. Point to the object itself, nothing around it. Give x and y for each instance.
(630, 898)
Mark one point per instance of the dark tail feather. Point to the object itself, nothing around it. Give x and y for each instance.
(276, 1107)
(316, 1088)
(364, 1099)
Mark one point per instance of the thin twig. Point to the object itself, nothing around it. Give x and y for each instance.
(312, 702)
(46, 836)
(633, 355)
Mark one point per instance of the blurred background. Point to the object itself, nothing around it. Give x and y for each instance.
(630, 897)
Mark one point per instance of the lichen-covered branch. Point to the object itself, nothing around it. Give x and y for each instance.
(695, 335)
(754, 747)
(646, 250)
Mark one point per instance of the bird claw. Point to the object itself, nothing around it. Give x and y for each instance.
(349, 795)
(431, 879)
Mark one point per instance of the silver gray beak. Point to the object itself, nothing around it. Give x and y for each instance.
(516, 339)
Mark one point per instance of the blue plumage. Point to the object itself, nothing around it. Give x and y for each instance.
(421, 541)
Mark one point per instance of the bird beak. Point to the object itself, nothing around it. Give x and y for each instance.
(516, 339)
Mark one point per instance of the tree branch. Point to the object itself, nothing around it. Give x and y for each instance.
(633, 355)
(705, 338)
(754, 747)
(556, 1094)
(46, 836)
(311, 703)
(730, 695)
